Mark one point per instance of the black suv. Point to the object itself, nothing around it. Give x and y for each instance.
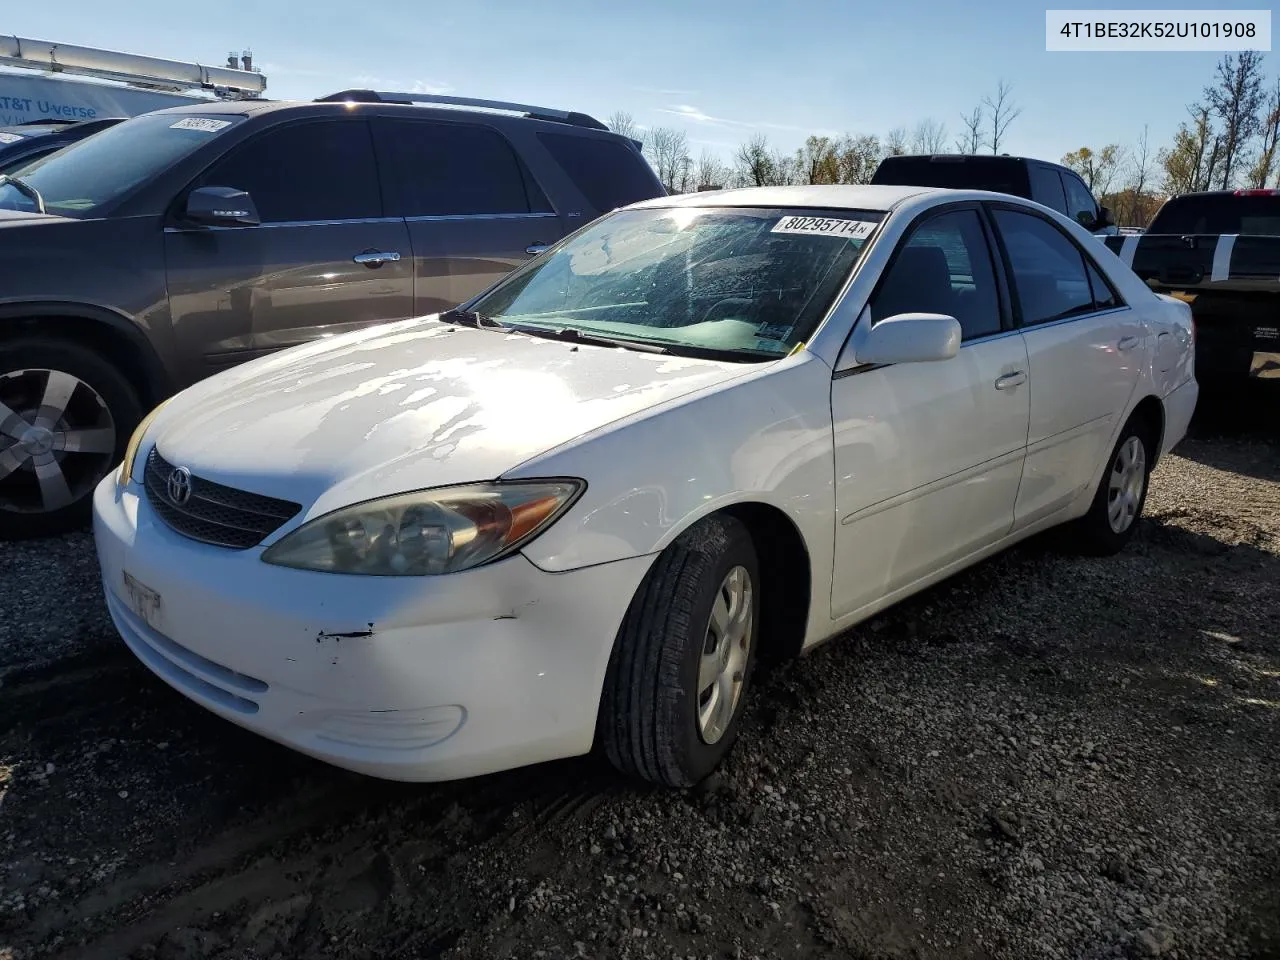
(181, 242)
(1051, 184)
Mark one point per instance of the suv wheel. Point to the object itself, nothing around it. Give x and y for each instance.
(65, 417)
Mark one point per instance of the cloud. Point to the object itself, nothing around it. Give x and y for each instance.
(692, 114)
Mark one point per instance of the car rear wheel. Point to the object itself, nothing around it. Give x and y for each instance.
(682, 661)
(1121, 495)
(65, 417)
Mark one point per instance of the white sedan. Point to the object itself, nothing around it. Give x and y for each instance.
(574, 511)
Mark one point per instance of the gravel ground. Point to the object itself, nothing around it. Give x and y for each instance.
(1046, 756)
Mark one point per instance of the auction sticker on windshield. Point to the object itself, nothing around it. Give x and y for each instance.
(825, 227)
(9, 137)
(203, 124)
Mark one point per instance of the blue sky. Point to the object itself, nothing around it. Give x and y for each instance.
(720, 70)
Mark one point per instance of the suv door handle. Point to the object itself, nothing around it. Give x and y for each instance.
(534, 249)
(1127, 343)
(1009, 380)
(376, 258)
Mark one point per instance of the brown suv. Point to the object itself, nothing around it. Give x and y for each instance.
(182, 242)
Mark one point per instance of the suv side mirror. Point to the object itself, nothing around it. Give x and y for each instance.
(221, 207)
(907, 338)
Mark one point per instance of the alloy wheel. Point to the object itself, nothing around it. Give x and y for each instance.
(57, 440)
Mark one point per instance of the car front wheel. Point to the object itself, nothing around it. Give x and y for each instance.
(682, 661)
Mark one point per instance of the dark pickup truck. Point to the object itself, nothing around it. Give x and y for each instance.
(1219, 251)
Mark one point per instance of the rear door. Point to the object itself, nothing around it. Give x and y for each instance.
(1084, 346)
(305, 271)
(473, 210)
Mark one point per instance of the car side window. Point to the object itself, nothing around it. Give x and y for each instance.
(1104, 295)
(609, 174)
(1048, 270)
(318, 170)
(454, 169)
(1081, 207)
(943, 266)
(1046, 188)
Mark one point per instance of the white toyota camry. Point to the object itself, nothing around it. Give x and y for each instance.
(574, 511)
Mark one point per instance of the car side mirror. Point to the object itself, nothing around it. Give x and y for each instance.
(1105, 219)
(221, 207)
(906, 338)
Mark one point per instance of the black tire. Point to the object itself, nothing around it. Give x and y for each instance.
(22, 514)
(1093, 534)
(649, 725)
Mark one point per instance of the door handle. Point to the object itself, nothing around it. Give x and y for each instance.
(376, 258)
(534, 249)
(1127, 343)
(1010, 380)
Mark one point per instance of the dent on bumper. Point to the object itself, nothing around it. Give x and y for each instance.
(404, 678)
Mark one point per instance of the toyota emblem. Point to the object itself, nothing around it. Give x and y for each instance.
(178, 486)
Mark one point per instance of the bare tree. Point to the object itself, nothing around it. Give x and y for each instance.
(1266, 159)
(929, 136)
(1235, 98)
(755, 163)
(970, 141)
(710, 171)
(1003, 112)
(859, 156)
(1139, 178)
(623, 124)
(669, 153)
(895, 142)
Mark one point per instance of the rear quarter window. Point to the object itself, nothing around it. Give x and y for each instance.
(608, 173)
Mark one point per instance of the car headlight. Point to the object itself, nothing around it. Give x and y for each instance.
(132, 447)
(428, 532)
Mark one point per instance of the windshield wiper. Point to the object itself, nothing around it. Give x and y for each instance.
(23, 187)
(574, 335)
(470, 318)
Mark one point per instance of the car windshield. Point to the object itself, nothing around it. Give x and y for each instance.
(79, 179)
(748, 282)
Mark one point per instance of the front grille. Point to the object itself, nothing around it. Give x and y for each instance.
(216, 514)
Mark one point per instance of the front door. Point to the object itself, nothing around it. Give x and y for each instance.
(928, 455)
(323, 260)
(1084, 346)
(474, 211)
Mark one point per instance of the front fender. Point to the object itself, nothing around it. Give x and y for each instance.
(763, 439)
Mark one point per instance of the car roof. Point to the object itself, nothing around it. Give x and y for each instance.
(254, 107)
(833, 196)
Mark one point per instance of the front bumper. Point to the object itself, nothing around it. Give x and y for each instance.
(413, 678)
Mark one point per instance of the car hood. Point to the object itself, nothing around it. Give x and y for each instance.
(410, 405)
